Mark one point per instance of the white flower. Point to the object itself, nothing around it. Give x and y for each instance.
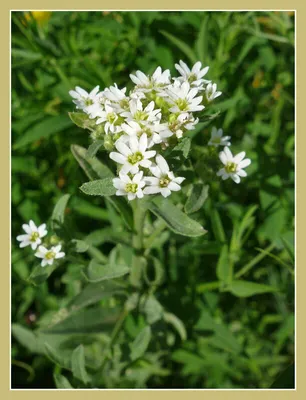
(83, 99)
(193, 76)
(33, 235)
(156, 133)
(163, 180)
(49, 255)
(146, 83)
(233, 165)
(118, 98)
(183, 98)
(110, 118)
(138, 114)
(183, 121)
(130, 187)
(211, 92)
(217, 139)
(133, 156)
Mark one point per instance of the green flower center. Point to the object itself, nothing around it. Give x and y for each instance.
(111, 118)
(140, 116)
(192, 78)
(88, 102)
(230, 167)
(124, 103)
(164, 181)
(50, 255)
(216, 140)
(131, 188)
(135, 158)
(34, 237)
(182, 104)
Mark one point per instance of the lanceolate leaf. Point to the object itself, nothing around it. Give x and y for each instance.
(242, 288)
(197, 197)
(176, 323)
(141, 343)
(78, 364)
(81, 120)
(101, 187)
(93, 148)
(176, 219)
(58, 214)
(98, 272)
(61, 382)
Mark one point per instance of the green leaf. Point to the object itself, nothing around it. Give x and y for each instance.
(203, 40)
(81, 120)
(61, 382)
(80, 246)
(152, 309)
(181, 45)
(197, 197)
(56, 356)
(26, 337)
(98, 272)
(217, 225)
(93, 293)
(101, 187)
(93, 148)
(141, 343)
(223, 266)
(43, 129)
(78, 364)
(58, 214)
(242, 288)
(89, 321)
(176, 323)
(176, 220)
(40, 274)
(92, 167)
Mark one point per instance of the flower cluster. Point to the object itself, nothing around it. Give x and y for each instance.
(33, 237)
(138, 127)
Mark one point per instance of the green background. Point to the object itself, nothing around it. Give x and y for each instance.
(233, 341)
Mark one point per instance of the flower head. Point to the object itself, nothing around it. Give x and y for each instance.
(184, 98)
(133, 155)
(130, 187)
(233, 165)
(193, 76)
(110, 118)
(33, 235)
(211, 92)
(49, 255)
(163, 181)
(139, 114)
(217, 139)
(83, 99)
(156, 133)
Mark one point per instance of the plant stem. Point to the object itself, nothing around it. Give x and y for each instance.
(139, 212)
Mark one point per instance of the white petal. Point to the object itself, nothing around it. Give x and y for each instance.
(151, 180)
(24, 244)
(235, 178)
(151, 190)
(26, 228)
(123, 148)
(134, 145)
(21, 238)
(162, 163)
(143, 143)
(244, 163)
(44, 263)
(165, 192)
(149, 154)
(174, 187)
(61, 254)
(119, 158)
(241, 173)
(239, 157)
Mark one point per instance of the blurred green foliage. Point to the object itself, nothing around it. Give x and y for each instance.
(238, 339)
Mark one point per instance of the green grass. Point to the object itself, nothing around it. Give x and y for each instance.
(234, 339)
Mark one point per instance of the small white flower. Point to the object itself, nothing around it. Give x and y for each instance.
(193, 76)
(133, 156)
(83, 99)
(33, 235)
(140, 115)
(156, 133)
(110, 118)
(163, 180)
(49, 255)
(118, 98)
(130, 187)
(184, 121)
(184, 98)
(233, 165)
(211, 92)
(217, 138)
(146, 83)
